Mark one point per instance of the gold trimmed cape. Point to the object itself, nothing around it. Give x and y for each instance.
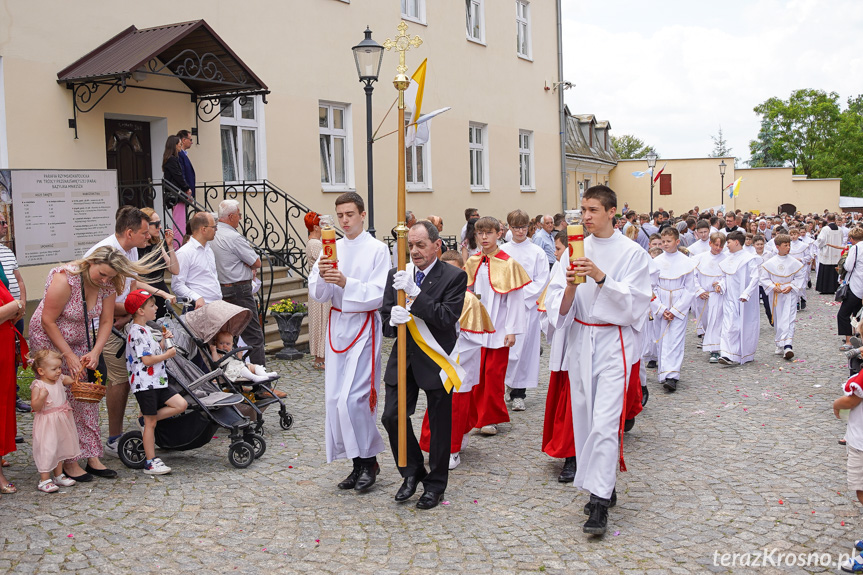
(474, 317)
(504, 273)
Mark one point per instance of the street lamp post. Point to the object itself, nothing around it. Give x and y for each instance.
(651, 163)
(368, 56)
(722, 167)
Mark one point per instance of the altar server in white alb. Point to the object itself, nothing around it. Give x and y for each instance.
(698, 247)
(740, 316)
(708, 277)
(355, 287)
(803, 251)
(674, 290)
(784, 279)
(598, 318)
(522, 369)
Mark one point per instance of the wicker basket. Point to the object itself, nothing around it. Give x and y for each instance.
(88, 392)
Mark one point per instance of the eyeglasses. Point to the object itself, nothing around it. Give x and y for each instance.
(518, 227)
(157, 224)
(2, 222)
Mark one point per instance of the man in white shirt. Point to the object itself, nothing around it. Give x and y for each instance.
(545, 239)
(198, 280)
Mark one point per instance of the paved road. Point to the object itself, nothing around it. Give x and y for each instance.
(738, 460)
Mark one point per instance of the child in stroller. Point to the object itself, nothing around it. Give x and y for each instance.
(222, 343)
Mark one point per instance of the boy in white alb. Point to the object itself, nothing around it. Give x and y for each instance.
(708, 277)
(852, 396)
(674, 289)
(740, 316)
(699, 246)
(801, 250)
(650, 343)
(598, 319)
(783, 279)
(522, 368)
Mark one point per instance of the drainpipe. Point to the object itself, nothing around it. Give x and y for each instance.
(561, 106)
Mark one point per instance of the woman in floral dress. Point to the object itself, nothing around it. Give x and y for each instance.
(318, 312)
(58, 324)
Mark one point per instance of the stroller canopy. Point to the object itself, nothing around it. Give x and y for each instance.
(218, 316)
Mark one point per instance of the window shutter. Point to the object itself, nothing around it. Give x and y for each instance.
(664, 184)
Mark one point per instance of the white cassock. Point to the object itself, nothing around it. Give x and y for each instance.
(353, 346)
(556, 339)
(650, 345)
(740, 319)
(601, 350)
(506, 310)
(769, 249)
(778, 272)
(697, 248)
(522, 369)
(707, 273)
(674, 289)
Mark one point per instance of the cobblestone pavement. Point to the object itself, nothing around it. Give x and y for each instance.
(738, 460)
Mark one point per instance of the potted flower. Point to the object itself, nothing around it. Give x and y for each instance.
(289, 316)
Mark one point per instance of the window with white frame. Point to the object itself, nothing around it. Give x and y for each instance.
(243, 153)
(522, 20)
(475, 20)
(333, 123)
(417, 164)
(525, 160)
(414, 10)
(477, 137)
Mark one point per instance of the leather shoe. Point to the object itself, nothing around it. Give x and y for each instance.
(350, 480)
(409, 487)
(22, 406)
(85, 478)
(103, 473)
(367, 476)
(569, 469)
(19, 439)
(429, 500)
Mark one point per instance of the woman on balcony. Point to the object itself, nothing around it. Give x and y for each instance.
(172, 173)
(318, 312)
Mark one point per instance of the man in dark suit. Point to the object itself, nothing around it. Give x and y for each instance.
(185, 163)
(436, 291)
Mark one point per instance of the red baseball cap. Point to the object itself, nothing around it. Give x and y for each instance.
(135, 300)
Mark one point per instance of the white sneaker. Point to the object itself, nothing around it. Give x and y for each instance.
(778, 351)
(156, 467)
(111, 447)
(489, 429)
(518, 404)
(454, 460)
(63, 481)
(506, 395)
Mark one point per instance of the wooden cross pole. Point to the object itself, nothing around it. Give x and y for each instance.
(402, 43)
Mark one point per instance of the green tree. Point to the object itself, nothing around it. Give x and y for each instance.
(629, 147)
(761, 150)
(800, 129)
(843, 155)
(720, 146)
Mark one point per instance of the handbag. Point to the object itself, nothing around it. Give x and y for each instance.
(102, 366)
(842, 290)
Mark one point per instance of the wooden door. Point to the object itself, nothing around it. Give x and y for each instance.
(128, 150)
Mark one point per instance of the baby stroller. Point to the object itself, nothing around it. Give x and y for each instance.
(198, 327)
(209, 409)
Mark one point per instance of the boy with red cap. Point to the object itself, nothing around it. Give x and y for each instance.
(145, 361)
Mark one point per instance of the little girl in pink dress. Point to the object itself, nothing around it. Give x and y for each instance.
(54, 436)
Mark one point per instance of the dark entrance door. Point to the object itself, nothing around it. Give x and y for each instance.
(128, 148)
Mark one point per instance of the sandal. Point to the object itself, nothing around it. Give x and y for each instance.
(4, 463)
(845, 347)
(8, 489)
(47, 486)
(319, 365)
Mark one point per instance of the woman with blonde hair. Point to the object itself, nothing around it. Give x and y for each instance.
(318, 312)
(63, 324)
(168, 260)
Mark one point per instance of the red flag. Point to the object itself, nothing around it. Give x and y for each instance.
(659, 173)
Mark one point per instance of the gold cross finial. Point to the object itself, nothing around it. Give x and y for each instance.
(402, 44)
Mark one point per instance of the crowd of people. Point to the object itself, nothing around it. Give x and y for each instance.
(473, 321)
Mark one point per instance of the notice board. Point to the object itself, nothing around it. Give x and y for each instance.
(59, 214)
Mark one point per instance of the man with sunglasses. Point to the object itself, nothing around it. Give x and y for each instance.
(16, 288)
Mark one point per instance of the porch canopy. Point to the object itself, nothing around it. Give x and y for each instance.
(189, 51)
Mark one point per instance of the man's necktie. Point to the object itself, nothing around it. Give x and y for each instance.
(420, 277)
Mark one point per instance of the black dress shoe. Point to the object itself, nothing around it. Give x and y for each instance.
(19, 439)
(429, 500)
(86, 478)
(628, 425)
(409, 487)
(351, 480)
(670, 385)
(644, 395)
(612, 501)
(567, 475)
(22, 406)
(597, 523)
(103, 473)
(367, 476)
(651, 364)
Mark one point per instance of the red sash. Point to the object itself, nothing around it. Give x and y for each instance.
(373, 396)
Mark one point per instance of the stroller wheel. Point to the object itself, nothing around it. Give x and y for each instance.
(257, 442)
(130, 449)
(286, 421)
(241, 454)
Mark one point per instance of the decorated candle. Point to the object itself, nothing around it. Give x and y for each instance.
(328, 239)
(575, 235)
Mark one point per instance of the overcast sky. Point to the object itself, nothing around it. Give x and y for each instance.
(671, 72)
